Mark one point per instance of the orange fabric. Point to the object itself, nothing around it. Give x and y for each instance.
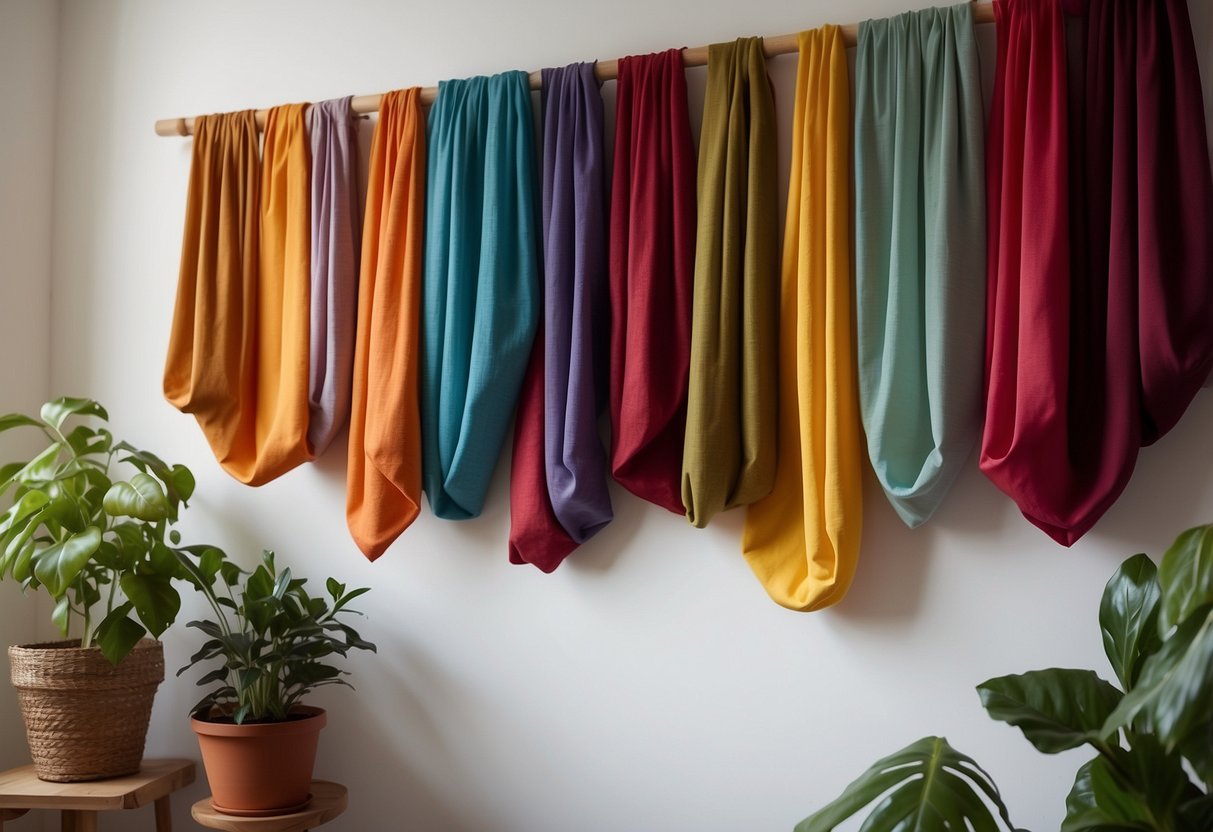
(210, 370)
(384, 474)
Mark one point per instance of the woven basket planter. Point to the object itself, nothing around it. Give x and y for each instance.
(84, 718)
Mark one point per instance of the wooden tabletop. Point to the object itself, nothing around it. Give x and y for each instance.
(21, 789)
(328, 801)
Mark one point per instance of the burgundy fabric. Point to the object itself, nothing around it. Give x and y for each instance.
(652, 261)
(1100, 307)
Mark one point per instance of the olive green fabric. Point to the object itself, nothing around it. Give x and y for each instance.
(729, 455)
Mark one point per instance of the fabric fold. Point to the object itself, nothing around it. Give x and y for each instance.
(652, 262)
(919, 250)
(336, 231)
(574, 336)
(383, 490)
(209, 370)
(802, 541)
(480, 295)
(729, 451)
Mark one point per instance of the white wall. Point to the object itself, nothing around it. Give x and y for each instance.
(648, 684)
(28, 38)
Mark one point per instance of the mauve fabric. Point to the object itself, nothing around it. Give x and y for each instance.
(729, 451)
(480, 293)
(336, 236)
(919, 250)
(1100, 304)
(575, 330)
(383, 475)
(652, 265)
(209, 369)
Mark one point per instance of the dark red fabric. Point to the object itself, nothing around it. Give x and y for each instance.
(1100, 307)
(536, 536)
(652, 254)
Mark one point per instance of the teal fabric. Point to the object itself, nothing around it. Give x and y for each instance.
(480, 296)
(920, 250)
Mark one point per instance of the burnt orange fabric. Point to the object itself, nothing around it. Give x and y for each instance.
(384, 475)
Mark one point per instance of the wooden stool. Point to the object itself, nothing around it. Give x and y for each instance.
(79, 803)
(328, 801)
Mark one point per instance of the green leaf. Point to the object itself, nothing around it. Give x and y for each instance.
(1198, 749)
(1128, 617)
(931, 783)
(15, 420)
(58, 565)
(154, 598)
(61, 615)
(21, 511)
(117, 634)
(1197, 814)
(259, 586)
(283, 581)
(182, 481)
(1056, 709)
(55, 413)
(334, 588)
(1098, 803)
(1186, 576)
(1175, 692)
(42, 468)
(142, 498)
(86, 441)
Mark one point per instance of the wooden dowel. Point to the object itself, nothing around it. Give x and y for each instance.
(983, 12)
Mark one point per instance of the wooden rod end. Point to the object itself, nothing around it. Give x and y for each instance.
(172, 127)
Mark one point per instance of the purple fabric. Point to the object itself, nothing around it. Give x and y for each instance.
(576, 303)
(336, 236)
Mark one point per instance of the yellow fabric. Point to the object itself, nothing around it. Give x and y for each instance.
(802, 541)
(384, 476)
(209, 370)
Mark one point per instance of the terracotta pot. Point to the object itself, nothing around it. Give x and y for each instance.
(84, 718)
(262, 768)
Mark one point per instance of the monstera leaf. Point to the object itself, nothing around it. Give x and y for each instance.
(928, 786)
(1056, 709)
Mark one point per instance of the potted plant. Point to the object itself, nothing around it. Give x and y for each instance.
(1153, 737)
(89, 524)
(275, 642)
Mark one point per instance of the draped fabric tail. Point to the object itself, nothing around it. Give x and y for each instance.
(383, 493)
(920, 250)
(480, 295)
(729, 452)
(652, 257)
(802, 541)
(1150, 202)
(336, 228)
(209, 369)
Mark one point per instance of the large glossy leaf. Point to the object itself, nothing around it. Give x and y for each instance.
(19, 513)
(1098, 803)
(1056, 709)
(1198, 749)
(117, 634)
(1186, 576)
(58, 565)
(142, 498)
(15, 420)
(41, 468)
(155, 600)
(57, 412)
(928, 786)
(1175, 692)
(1128, 617)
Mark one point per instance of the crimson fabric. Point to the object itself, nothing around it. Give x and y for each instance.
(1100, 304)
(652, 262)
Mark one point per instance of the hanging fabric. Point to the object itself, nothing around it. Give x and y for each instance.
(1099, 298)
(209, 369)
(803, 540)
(336, 228)
(383, 492)
(575, 331)
(652, 257)
(919, 250)
(480, 296)
(729, 452)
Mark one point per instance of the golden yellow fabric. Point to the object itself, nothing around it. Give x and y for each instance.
(209, 370)
(802, 541)
(383, 494)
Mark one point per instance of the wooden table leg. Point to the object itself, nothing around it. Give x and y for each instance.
(79, 820)
(164, 815)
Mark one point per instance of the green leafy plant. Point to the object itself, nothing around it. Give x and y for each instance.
(97, 543)
(1153, 736)
(275, 640)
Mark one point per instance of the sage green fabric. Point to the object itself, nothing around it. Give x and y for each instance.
(729, 454)
(920, 250)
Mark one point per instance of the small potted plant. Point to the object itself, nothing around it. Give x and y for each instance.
(275, 642)
(89, 524)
